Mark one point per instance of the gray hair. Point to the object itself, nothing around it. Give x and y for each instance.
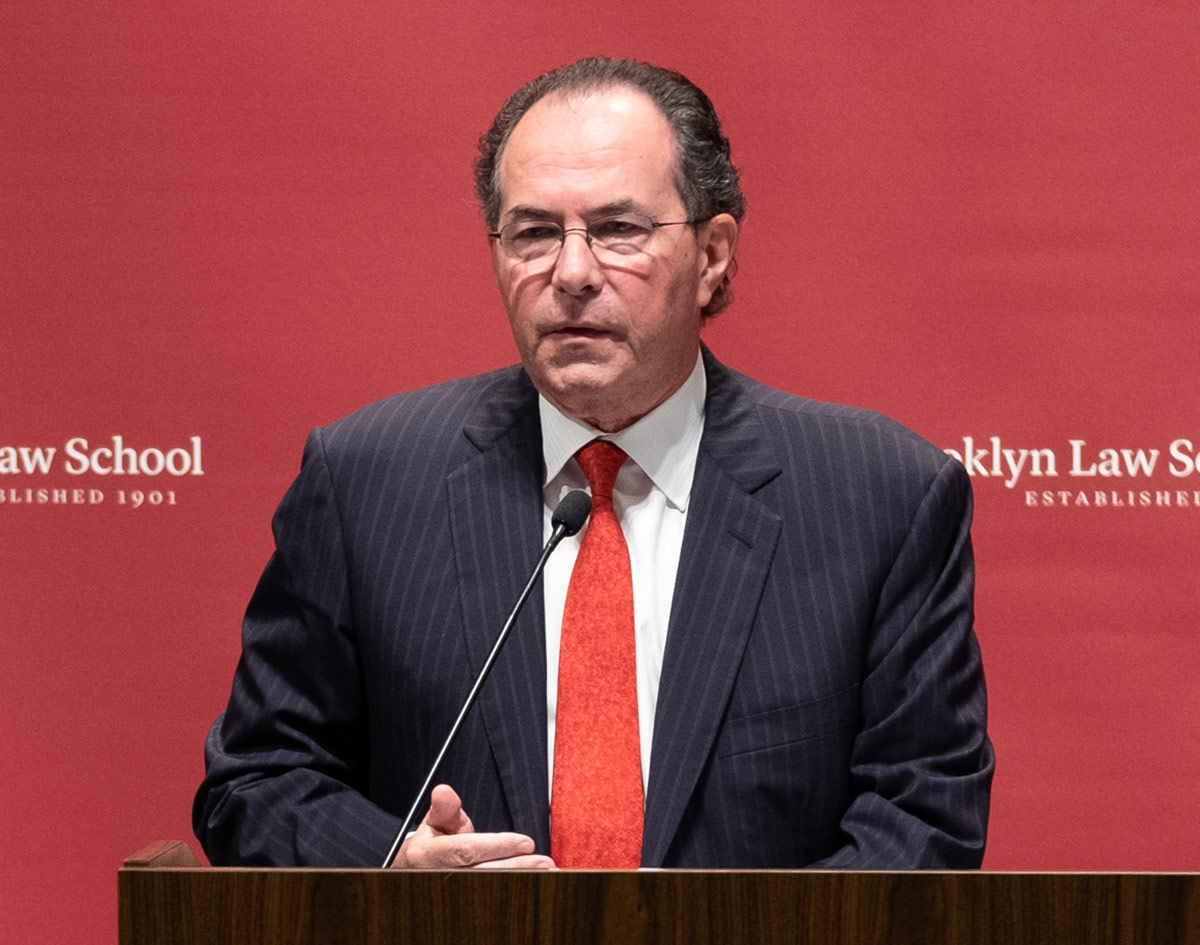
(705, 177)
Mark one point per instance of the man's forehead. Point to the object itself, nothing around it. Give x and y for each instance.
(603, 103)
(592, 133)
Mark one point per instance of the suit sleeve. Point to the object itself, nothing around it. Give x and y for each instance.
(286, 762)
(921, 763)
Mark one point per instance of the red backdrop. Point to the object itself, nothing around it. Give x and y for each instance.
(235, 221)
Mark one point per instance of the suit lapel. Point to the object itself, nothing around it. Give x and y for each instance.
(495, 505)
(728, 546)
(495, 500)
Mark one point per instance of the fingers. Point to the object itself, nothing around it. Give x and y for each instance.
(534, 861)
(476, 849)
(446, 814)
(446, 839)
(425, 850)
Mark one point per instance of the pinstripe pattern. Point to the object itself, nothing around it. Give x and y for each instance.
(822, 696)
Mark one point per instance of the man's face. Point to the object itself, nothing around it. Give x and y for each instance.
(605, 339)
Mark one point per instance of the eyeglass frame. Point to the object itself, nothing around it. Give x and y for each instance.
(585, 230)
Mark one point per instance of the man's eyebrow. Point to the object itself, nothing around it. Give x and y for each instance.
(612, 208)
(615, 207)
(526, 212)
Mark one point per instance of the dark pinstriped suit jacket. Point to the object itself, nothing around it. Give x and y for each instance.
(822, 695)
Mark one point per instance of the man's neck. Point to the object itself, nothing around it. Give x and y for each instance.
(663, 443)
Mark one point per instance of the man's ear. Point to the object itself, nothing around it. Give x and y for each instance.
(496, 254)
(718, 242)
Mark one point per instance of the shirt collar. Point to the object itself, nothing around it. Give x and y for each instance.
(664, 443)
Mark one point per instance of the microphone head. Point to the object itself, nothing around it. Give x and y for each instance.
(572, 512)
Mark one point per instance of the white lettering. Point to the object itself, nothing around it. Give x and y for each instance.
(95, 461)
(37, 459)
(996, 471)
(1077, 460)
(119, 459)
(974, 459)
(1183, 454)
(151, 461)
(121, 455)
(1015, 461)
(1140, 462)
(26, 459)
(1014, 467)
(1110, 463)
(75, 448)
(179, 461)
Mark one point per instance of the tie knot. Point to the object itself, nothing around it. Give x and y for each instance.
(600, 461)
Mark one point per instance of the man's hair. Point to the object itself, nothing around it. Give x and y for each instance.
(705, 177)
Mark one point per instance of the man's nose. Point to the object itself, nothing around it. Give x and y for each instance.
(576, 270)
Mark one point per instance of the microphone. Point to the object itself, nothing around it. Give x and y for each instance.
(566, 520)
(570, 515)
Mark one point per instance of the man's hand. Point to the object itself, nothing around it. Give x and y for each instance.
(446, 839)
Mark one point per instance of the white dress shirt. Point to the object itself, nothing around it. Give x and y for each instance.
(651, 499)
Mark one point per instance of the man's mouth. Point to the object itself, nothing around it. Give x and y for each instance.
(580, 331)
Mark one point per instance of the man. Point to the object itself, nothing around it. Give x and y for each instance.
(798, 684)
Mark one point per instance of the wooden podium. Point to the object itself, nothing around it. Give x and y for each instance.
(167, 898)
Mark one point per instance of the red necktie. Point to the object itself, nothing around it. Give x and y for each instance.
(596, 805)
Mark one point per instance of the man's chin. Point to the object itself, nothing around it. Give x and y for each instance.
(581, 390)
(581, 380)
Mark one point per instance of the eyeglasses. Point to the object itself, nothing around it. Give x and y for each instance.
(625, 234)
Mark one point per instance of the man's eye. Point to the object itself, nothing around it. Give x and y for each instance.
(619, 228)
(533, 233)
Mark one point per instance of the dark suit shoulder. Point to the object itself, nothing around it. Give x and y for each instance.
(433, 419)
(869, 439)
